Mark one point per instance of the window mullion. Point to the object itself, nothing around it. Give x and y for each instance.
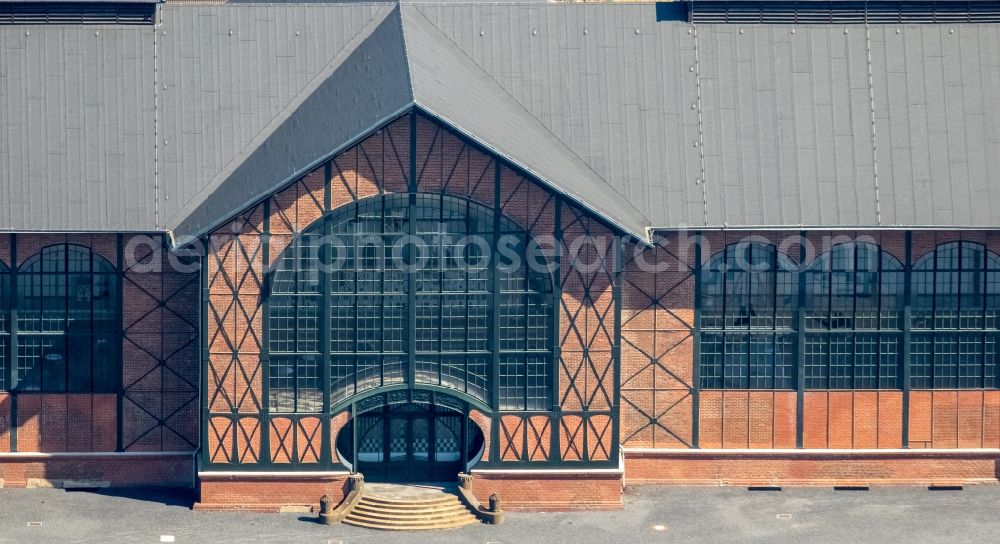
(65, 317)
(985, 292)
(773, 363)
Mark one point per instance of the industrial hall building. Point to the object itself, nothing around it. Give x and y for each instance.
(257, 249)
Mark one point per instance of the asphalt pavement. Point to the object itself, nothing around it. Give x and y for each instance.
(651, 514)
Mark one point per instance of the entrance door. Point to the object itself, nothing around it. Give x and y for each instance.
(408, 443)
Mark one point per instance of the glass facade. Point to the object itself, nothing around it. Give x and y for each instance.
(854, 326)
(400, 280)
(748, 301)
(67, 321)
(853, 319)
(956, 299)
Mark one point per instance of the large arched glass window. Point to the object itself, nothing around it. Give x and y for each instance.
(853, 319)
(397, 274)
(956, 300)
(67, 321)
(748, 301)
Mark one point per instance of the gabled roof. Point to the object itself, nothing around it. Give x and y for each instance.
(651, 124)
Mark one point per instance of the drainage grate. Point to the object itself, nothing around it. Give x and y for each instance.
(764, 488)
(945, 487)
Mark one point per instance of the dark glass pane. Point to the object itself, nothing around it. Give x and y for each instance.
(42, 363)
(784, 361)
(736, 362)
(369, 320)
(104, 302)
(945, 360)
(957, 292)
(762, 357)
(106, 358)
(538, 385)
(427, 370)
(513, 370)
(5, 295)
(922, 360)
(282, 384)
(80, 360)
(816, 364)
(748, 287)
(4, 363)
(309, 388)
(890, 359)
(841, 372)
(70, 295)
(712, 355)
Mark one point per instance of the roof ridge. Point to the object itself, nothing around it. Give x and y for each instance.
(406, 49)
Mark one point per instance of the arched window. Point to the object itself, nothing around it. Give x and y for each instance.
(853, 319)
(748, 302)
(67, 321)
(399, 274)
(956, 299)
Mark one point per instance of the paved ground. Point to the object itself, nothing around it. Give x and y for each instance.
(730, 515)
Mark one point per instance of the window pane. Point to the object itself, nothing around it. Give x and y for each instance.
(956, 291)
(369, 320)
(68, 321)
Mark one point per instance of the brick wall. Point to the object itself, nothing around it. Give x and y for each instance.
(954, 419)
(658, 358)
(809, 468)
(159, 384)
(268, 492)
(116, 470)
(747, 419)
(550, 491)
(852, 419)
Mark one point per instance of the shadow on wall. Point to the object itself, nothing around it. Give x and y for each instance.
(60, 422)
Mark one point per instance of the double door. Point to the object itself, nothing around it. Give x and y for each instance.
(409, 443)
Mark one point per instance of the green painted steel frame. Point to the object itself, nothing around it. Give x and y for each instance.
(351, 405)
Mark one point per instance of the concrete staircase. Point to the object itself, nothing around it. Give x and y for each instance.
(409, 508)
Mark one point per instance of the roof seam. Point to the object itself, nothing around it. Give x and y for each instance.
(156, 131)
(871, 108)
(701, 130)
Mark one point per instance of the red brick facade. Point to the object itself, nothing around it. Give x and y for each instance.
(670, 430)
(146, 432)
(551, 491)
(810, 467)
(378, 165)
(269, 492)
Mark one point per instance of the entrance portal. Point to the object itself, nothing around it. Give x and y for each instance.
(410, 443)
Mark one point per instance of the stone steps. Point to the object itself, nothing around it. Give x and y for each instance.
(407, 511)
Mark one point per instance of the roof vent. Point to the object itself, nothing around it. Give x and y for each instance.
(831, 12)
(77, 13)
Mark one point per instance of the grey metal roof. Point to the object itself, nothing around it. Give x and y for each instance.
(77, 142)
(450, 84)
(338, 100)
(651, 124)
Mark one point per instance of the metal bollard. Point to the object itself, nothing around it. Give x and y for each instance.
(494, 503)
(326, 510)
